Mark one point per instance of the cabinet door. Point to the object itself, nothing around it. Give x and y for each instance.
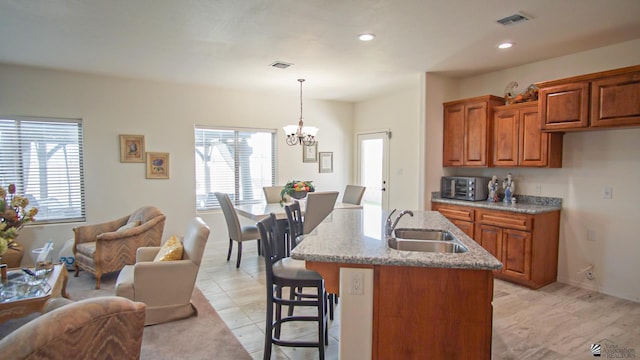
(465, 226)
(453, 135)
(615, 101)
(505, 137)
(533, 143)
(476, 134)
(564, 107)
(490, 238)
(516, 254)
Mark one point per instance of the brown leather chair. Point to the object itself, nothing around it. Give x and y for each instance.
(166, 286)
(108, 327)
(108, 247)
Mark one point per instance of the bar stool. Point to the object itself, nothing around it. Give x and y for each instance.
(296, 227)
(284, 272)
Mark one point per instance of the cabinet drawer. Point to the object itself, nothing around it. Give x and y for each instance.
(454, 211)
(505, 219)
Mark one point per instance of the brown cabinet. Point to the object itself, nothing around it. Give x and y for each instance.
(526, 244)
(615, 101)
(519, 142)
(606, 99)
(467, 130)
(460, 216)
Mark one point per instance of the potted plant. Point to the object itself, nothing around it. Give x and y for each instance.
(13, 215)
(297, 189)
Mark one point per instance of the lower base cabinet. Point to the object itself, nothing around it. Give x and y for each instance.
(526, 244)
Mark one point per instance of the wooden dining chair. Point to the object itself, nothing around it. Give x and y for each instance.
(319, 206)
(237, 232)
(353, 194)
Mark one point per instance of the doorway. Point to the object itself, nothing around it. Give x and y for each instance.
(373, 168)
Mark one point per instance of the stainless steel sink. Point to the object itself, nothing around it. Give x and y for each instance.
(424, 234)
(425, 240)
(426, 245)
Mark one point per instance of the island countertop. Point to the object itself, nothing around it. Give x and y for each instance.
(357, 237)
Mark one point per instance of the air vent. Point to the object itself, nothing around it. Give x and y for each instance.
(513, 19)
(281, 64)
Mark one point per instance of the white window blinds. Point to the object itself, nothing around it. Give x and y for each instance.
(238, 162)
(43, 158)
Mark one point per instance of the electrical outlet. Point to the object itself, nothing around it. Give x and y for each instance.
(591, 235)
(538, 189)
(607, 192)
(357, 284)
(590, 274)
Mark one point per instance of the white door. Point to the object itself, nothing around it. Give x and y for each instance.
(373, 168)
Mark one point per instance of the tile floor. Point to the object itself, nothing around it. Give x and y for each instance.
(556, 322)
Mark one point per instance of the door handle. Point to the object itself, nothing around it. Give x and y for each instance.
(383, 189)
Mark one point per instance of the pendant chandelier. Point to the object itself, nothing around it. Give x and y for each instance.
(300, 134)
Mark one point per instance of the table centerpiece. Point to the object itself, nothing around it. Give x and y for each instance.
(297, 189)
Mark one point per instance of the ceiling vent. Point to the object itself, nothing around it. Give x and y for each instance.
(281, 64)
(513, 19)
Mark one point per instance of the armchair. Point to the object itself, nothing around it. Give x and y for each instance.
(108, 247)
(106, 327)
(165, 286)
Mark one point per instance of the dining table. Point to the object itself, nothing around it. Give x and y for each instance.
(259, 211)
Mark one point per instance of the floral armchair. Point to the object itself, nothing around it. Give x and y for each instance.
(108, 327)
(108, 247)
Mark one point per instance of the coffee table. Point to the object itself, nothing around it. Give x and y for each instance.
(18, 298)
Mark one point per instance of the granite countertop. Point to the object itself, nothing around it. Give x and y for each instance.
(356, 236)
(526, 204)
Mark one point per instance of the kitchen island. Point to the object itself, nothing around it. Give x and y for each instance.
(422, 305)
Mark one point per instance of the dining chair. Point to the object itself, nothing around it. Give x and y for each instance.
(272, 193)
(286, 273)
(353, 194)
(319, 206)
(237, 231)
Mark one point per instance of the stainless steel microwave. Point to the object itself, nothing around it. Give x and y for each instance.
(464, 187)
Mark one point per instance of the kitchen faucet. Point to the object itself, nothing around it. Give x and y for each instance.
(388, 227)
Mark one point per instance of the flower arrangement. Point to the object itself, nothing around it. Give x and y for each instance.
(13, 215)
(297, 189)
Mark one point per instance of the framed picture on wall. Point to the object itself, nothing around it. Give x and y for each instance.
(132, 148)
(325, 164)
(157, 165)
(310, 153)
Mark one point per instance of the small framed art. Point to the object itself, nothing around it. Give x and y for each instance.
(325, 163)
(157, 165)
(310, 153)
(132, 148)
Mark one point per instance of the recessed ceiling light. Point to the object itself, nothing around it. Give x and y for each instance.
(505, 45)
(280, 64)
(366, 37)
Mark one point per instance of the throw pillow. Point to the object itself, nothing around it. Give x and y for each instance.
(170, 250)
(128, 226)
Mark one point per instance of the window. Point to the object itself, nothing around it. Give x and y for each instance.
(238, 162)
(43, 157)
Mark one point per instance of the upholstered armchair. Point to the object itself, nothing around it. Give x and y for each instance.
(108, 327)
(108, 247)
(166, 286)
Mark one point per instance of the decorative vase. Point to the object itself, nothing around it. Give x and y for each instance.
(13, 256)
(298, 194)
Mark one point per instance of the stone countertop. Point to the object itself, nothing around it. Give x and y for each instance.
(526, 204)
(357, 237)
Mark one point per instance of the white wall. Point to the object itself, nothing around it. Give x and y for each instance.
(400, 113)
(591, 161)
(166, 115)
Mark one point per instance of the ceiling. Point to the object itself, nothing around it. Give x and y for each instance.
(231, 43)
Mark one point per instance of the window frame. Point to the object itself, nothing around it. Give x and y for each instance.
(18, 175)
(210, 202)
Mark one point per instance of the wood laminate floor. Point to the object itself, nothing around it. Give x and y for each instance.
(555, 322)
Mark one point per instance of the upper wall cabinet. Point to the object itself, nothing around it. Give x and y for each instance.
(519, 142)
(605, 99)
(467, 130)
